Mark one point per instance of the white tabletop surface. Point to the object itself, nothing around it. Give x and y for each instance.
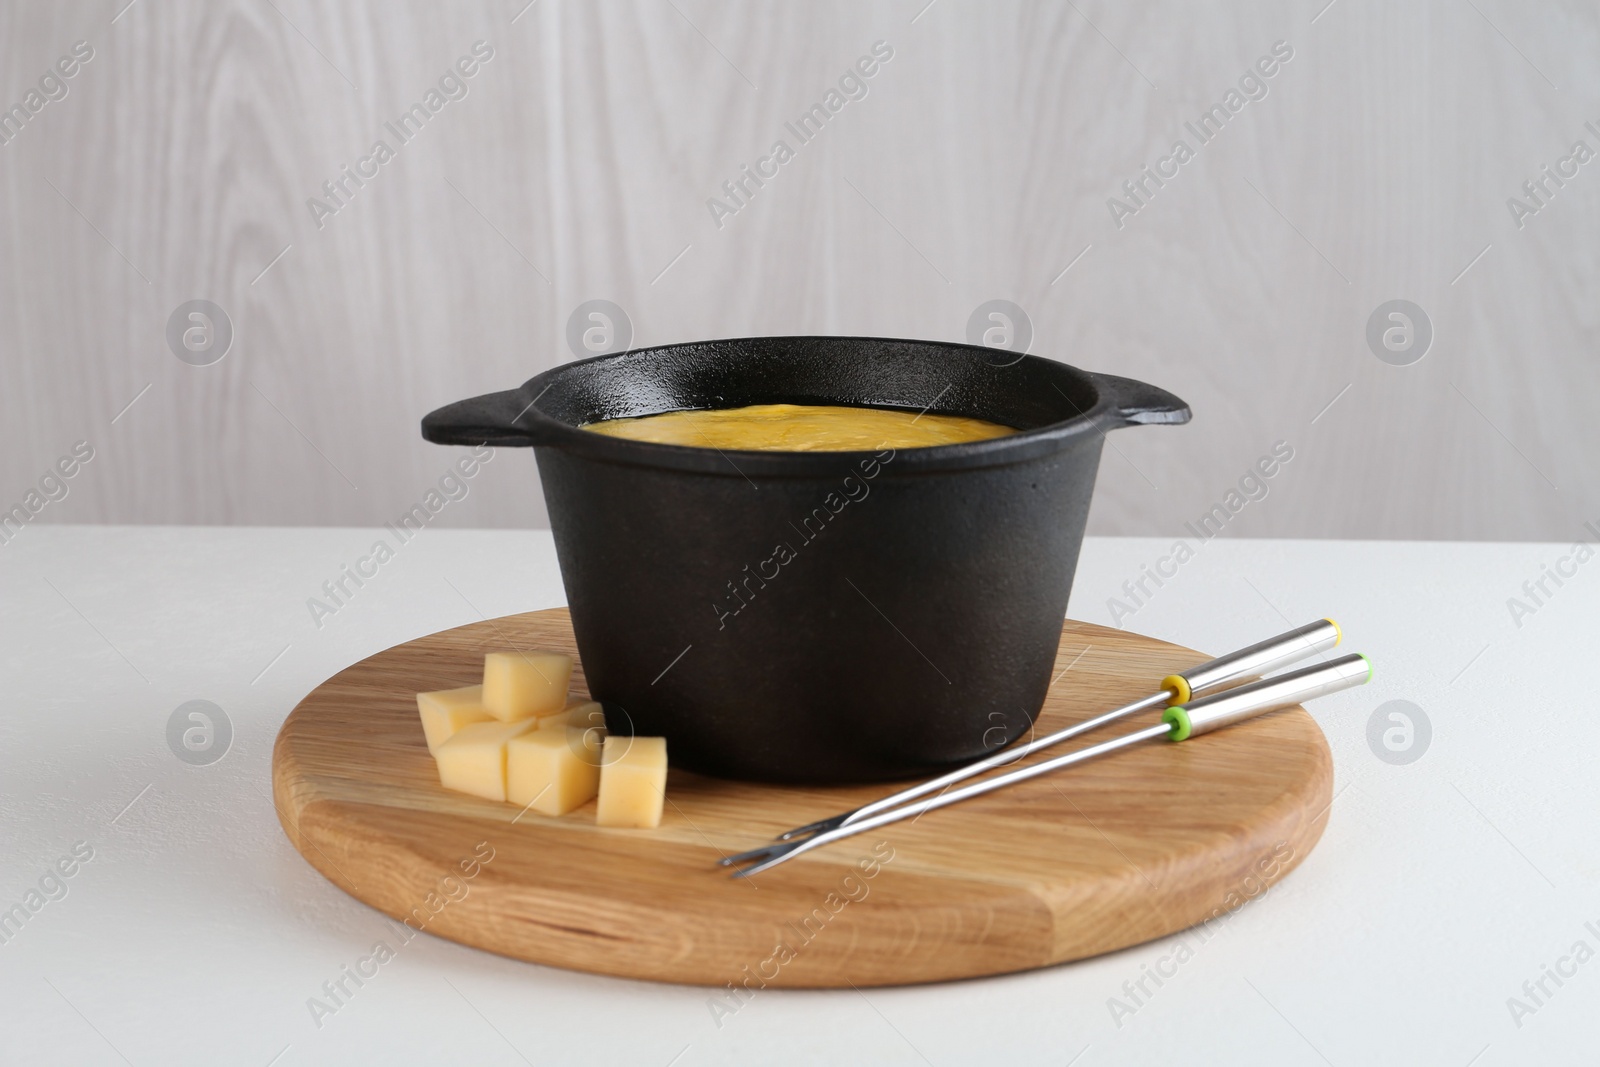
(195, 934)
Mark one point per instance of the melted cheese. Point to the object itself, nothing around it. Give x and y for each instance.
(801, 428)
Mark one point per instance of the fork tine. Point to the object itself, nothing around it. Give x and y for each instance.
(754, 854)
(776, 854)
(821, 826)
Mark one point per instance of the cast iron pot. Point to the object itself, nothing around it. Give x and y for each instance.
(817, 617)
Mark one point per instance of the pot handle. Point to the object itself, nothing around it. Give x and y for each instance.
(1137, 403)
(491, 419)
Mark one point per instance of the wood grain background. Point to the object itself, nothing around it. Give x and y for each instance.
(977, 167)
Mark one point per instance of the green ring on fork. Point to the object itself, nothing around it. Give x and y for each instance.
(1176, 717)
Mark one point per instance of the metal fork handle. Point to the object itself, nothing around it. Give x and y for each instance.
(1178, 724)
(999, 759)
(1002, 758)
(1260, 658)
(794, 848)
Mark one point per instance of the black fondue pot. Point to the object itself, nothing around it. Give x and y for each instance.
(816, 616)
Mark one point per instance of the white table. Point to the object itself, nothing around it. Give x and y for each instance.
(196, 934)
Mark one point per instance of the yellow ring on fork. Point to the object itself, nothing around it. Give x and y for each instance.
(1178, 686)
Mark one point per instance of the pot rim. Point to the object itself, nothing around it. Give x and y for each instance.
(1118, 402)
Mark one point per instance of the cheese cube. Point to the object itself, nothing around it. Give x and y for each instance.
(473, 760)
(448, 710)
(553, 770)
(522, 685)
(633, 781)
(582, 714)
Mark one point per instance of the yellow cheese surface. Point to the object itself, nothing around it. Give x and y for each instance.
(521, 685)
(448, 710)
(582, 714)
(801, 428)
(473, 760)
(553, 769)
(633, 781)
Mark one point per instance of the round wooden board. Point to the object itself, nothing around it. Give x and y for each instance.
(1105, 855)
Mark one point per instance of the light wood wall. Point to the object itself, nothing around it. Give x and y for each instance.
(978, 166)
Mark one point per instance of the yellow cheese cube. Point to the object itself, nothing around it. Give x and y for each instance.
(633, 781)
(474, 759)
(448, 710)
(521, 685)
(582, 714)
(553, 770)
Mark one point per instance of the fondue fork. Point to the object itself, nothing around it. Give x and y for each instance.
(1261, 658)
(1178, 723)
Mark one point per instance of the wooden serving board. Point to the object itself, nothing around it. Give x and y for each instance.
(1108, 854)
